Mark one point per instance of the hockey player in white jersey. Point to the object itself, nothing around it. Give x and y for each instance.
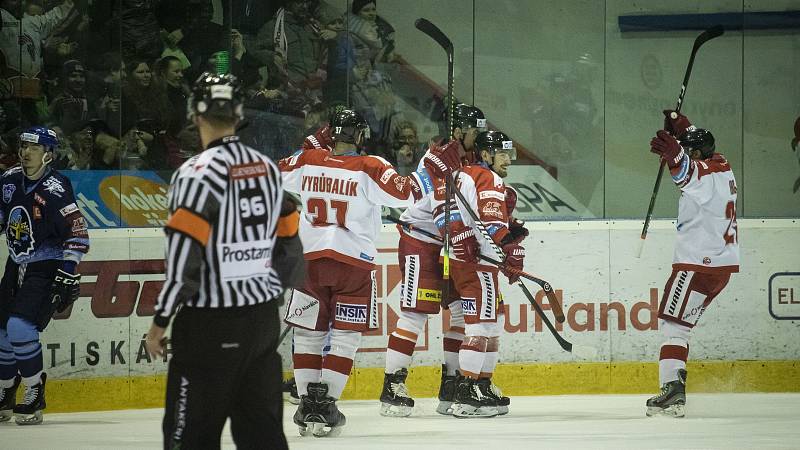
(342, 194)
(422, 287)
(706, 250)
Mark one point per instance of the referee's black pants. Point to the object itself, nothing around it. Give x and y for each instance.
(225, 364)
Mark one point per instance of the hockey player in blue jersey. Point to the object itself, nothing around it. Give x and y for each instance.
(47, 237)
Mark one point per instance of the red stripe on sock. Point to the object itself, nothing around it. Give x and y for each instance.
(338, 364)
(451, 345)
(401, 345)
(674, 352)
(307, 361)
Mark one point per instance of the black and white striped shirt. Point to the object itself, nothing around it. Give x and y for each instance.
(224, 207)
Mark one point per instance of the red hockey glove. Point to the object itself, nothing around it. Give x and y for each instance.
(668, 148)
(465, 246)
(676, 126)
(443, 160)
(511, 200)
(514, 262)
(516, 231)
(320, 139)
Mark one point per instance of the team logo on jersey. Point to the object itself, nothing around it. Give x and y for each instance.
(53, 186)
(492, 209)
(39, 199)
(350, 313)
(8, 191)
(706, 260)
(19, 232)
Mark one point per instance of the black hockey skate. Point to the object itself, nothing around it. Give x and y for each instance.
(470, 401)
(290, 391)
(323, 419)
(8, 399)
(672, 399)
(395, 401)
(491, 390)
(447, 392)
(29, 412)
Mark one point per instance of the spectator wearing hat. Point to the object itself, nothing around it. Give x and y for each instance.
(70, 108)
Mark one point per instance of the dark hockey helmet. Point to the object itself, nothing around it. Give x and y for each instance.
(698, 139)
(493, 142)
(40, 135)
(217, 95)
(468, 116)
(349, 126)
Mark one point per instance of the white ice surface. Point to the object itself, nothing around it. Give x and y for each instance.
(714, 421)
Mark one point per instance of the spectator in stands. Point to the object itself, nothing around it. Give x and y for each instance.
(169, 78)
(21, 36)
(293, 45)
(198, 38)
(141, 98)
(406, 150)
(71, 107)
(140, 36)
(189, 144)
(8, 151)
(91, 147)
(68, 40)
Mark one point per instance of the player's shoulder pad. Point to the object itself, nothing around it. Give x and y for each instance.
(14, 170)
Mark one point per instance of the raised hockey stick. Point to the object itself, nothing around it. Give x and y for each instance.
(580, 351)
(704, 37)
(437, 35)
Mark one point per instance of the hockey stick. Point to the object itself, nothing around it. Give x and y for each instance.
(578, 350)
(546, 287)
(437, 35)
(704, 37)
(487, 259)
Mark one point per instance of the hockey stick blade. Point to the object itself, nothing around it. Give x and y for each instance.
(435, 33)
(711, 33)
(584, 351)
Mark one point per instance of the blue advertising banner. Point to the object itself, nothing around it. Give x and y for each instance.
(114, 199)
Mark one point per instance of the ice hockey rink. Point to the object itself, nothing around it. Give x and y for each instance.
(713, 421)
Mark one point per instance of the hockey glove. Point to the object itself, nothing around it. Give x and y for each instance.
(676, 126)
(465, 246)
(668, 148)
(516, 231)
(442, 161)
(65, 290)
(514, 262)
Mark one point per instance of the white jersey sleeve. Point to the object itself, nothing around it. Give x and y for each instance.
(707, 232)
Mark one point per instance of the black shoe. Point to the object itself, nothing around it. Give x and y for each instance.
(395, 401)
(29, 412)
(671, 401)
(323, 418)
(470, 401)
(8, 400)
(290, 391)
(489, 389)
(447, 392)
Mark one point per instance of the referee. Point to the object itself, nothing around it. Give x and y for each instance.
(221, 284)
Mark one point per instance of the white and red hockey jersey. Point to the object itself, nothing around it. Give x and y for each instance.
(420, 214)
(484, 190)
(342, 198)
(707, 234)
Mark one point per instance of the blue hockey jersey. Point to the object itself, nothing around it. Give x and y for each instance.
(40, 218)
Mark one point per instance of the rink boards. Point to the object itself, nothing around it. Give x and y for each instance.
(745, 342)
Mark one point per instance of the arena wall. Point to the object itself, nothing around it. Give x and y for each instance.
(746, 341)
